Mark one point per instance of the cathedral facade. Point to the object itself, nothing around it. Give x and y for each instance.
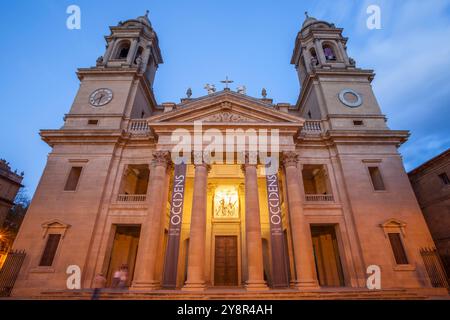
(224, 190)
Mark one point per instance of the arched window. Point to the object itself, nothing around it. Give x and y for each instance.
(329, 53)
(122, 50)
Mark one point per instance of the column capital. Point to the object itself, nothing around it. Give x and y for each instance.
(161, 158)
(203, 164)
(201, 159)
(290, 159)
(250, 159)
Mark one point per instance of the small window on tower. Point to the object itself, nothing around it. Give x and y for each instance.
(93, 122)
(329, 53)
(357, 123)
(72, 180)
(377, 179)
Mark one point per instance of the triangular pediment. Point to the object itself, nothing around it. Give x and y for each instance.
(393, 223)
(56, 226)
(226, 107)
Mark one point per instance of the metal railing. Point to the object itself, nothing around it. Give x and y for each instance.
(10, 271)
(319, 197)
(131, 197)
(434, 267)
(139, 126)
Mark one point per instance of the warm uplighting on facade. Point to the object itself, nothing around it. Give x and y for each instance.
(226, 202)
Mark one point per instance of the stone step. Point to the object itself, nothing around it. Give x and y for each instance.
(394, 294)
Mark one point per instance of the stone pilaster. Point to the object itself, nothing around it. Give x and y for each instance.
(306, 277)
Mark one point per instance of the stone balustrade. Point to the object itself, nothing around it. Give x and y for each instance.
(312, 126)
(131, 197)
(138, 127)
(319, 197)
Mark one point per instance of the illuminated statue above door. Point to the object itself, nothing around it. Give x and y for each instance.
(226, 202)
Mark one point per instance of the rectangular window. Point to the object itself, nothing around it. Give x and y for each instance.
(72, 180)
(444, 178)
(397, 248)
(358, 123)
(377, 180)
(93, 122)
(50, 250)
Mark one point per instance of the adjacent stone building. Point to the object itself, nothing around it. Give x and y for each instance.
(431, 183)
(112, 197)
(10, 183)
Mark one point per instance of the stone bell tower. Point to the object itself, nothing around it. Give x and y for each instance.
(120, 86)
(333, 88)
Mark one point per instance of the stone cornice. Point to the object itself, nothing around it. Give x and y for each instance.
(168, 127)
(397, 137)
(97, 136)
(332, 137)
(106, 71)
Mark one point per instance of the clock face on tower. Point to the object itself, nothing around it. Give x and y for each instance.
(350, 98)
(100, 97)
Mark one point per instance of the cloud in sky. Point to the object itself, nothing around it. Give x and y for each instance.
(411, 57)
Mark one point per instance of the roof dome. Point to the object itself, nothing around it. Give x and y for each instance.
(309, 20)
(144, 19)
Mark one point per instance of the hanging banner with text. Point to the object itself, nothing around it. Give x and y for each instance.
(176, 217)
(279, 259)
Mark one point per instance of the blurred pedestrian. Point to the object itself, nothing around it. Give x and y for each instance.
(116, 278)
(99, 284)
(123, 277)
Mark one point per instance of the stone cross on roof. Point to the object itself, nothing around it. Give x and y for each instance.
(226, 81)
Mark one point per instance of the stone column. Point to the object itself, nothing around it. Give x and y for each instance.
(306, 56)
(109, 50)
(145, 275)
(306, 277)
(132, 52)
(343, 53)
(319, 52)
(196, 259)
(255, 267)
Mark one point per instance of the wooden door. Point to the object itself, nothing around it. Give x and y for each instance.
(326, 252)
(225, 261)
